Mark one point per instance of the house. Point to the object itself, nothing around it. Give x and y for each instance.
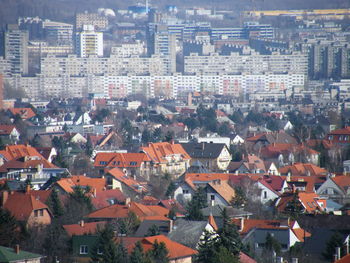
(115, 178)
(215, 156)
(25, 207)
(9, 134)
(303, 169)
(266, 138)
(336, 188)
(310, 203)
(188, 184)
(13, 152)
(170, 158)
(285, 154)
(83, 228)
(24, 113)
(132, 164)
(83, 245)
(236, 139)
(67, 185)
(339, 136)
(36, 169)
(8, 255)
(49, 153)
(255, 231)
(190, 233)
(252, 164)
(107, 197)
(219, 193)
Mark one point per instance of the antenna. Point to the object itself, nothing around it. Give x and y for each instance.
(146, 6)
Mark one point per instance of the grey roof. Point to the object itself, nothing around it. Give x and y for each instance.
(187, 232)
(197, 167)
(142, 230)
(232, 212)
(203, 150)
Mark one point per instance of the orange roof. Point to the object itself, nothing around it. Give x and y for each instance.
(102, 199)
(121, 160)
(68, 184)
(83, 228)
(223, 189)
(17, 151)
(121, 211)
(24, 113)
(344, 131)
(6, 129)
(303, 169)
(343, 181)
(310, 181)
(158, 152)
(308, 200)
(21, 205)
(176, 250)
(212, 222)
(192, 178)
(129, 181)
(20, 164)
(273, 150)
(345, 259)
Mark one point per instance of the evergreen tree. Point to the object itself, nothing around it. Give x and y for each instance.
(106, 250)
(240, 198)
(169, 136)
(129, 225)
(55, 204)
(336, 240)
(170, 190)
(146, 136)
(137, 255)
(9, 233)
(88, 147)
(272, 244)
(152, 231)
(229, 236)
(199, 201)
(223, 255)
(207, 248)
(157, 135)
(294, 208)
(159, 253)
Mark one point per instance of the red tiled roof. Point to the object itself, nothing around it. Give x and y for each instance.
(343, 181)
(243, 258)
(68, 184)
(20, 164)
(158, 151)
(6, 129)
(344, 131)
(83, 228)
(120, 160)
(24, 113)
(273, 150)
(121, 211)
(129, 181)
(308, 200)
(345, 259)
(303, 169)
(21, 205)
(192, 178)
(17, 151)
(101, 199)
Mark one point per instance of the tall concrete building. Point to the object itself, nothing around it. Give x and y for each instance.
(99, 22)
(89, 42)
(57, 33)
(16, 49)
(163, 43)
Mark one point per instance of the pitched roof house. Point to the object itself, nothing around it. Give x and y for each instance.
(167, 157)
(303, 169)
(24, 113)
(336, 188)
(26, 207)
(339, 136)
(8, 255)
(215, 156)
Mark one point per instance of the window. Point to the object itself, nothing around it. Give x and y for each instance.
(100, 250)
(184, 191)
(133, 163)
(41, 212)
(265, 194)
(83, 249)
(212, 197)
(36, 213)
(103, 163)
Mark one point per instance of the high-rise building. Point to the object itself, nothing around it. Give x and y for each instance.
(15, 49)
(57, 33)
(163, 43)
(89, 42)
(99, 22)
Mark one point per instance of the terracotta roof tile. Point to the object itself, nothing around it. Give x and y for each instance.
(223, 189)
(127, 180)
(303, 169)
(25, 113)
(83, 228)
(6, 129)
(120, 160)
(68, 184)
(158, 152)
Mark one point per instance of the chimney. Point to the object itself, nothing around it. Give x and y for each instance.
(5, 196)
(337, 249)
(347, 247)
(241, 224)
(17, 249)
(28, 188)
(82, 223)
(95, 192)
(127, 201)
(294, 260)
(171, 225)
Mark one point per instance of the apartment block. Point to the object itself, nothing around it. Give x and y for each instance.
(89, 42)
(99, 22)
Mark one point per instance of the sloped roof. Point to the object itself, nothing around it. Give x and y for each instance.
(9, 255)
(6, 129)
(273, 150)
(191, 179)
(243, 258)
(344, 131)
(127, 180)
(203, 149)
(121, 160)
(102, 198)
(303, 169)
(68, 184)
(83, 228)
(308, 200)
(342, 181)
(121, 211)
(223, 189)
(158, 151)
(24, 113)
(17, 151)
(20, 164)
(21, 205)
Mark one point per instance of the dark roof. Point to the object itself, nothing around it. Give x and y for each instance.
(216, 211)
(197, 167)
(203, 150)
(163, 227)
(187, 232)
(9, 255)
